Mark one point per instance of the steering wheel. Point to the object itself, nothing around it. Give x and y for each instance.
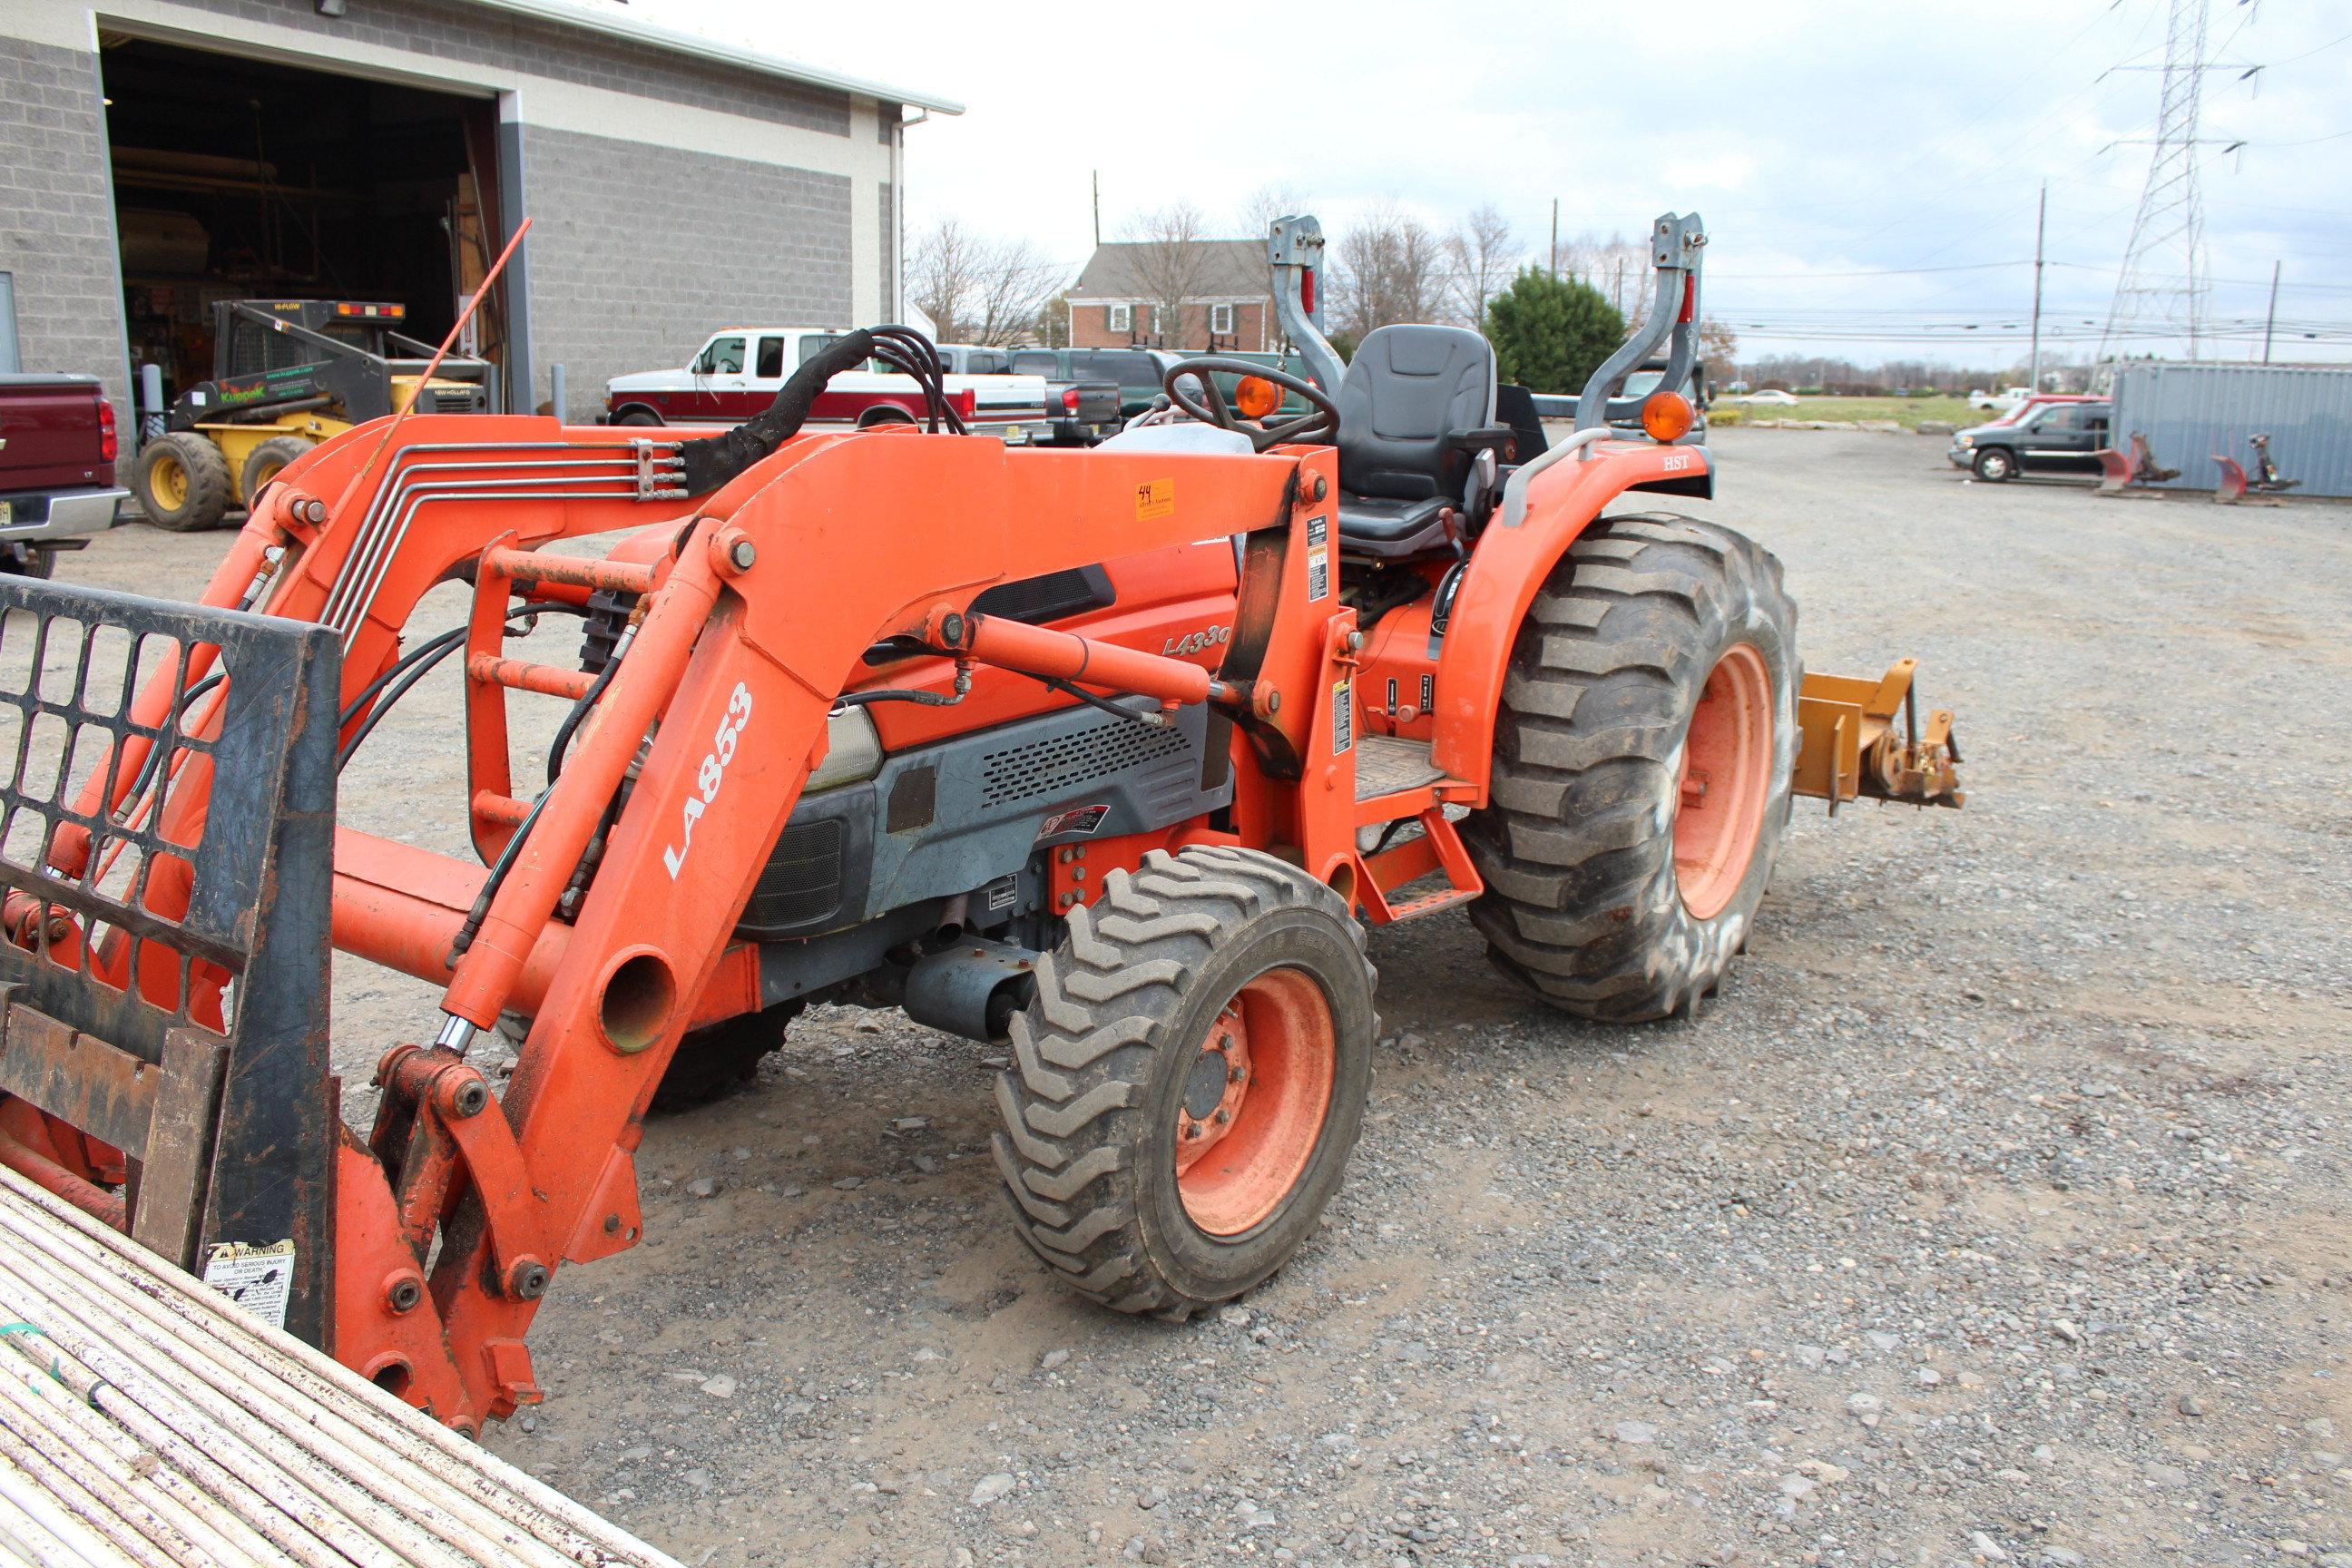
(1320, 422)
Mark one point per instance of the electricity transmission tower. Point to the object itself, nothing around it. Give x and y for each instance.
(2161, 293)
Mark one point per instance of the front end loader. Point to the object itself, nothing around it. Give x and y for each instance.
(1110, 755)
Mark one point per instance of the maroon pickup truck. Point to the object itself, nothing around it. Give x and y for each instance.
(57, 469)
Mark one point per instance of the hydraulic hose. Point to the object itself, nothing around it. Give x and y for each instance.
(715, 461)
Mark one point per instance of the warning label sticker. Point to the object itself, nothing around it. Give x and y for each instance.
(1155, 498)
(258, 1277)
(1318, 558)
(1086, 819)
(1343, 718)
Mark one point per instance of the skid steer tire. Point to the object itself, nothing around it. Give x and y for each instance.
(1210, 1013)
(182, 483)
(1614, 891)
(261, 465)
(710, 1064)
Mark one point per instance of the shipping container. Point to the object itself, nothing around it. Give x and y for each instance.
(2191, 413)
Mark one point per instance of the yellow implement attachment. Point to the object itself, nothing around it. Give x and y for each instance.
(1852, 747)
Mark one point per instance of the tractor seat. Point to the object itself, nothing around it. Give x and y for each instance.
(1409, 397)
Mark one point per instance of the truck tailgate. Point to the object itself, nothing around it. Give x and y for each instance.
(50, 433)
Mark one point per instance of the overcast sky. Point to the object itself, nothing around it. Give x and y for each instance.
(1867, 171)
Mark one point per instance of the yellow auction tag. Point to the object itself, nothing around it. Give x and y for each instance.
(1155, 498)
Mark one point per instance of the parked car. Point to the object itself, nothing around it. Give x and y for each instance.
(1772, 395)
(57, 469)
(1137, 372)
(1083, 411)
(2059, 438)
(2007, 400)
(738, 372)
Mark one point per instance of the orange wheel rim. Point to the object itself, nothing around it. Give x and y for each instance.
(1255, 1094)
(1727, 773)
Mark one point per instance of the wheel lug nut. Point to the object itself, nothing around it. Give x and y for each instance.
(1223, 1117)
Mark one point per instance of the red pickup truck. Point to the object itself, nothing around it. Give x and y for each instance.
(57, 469)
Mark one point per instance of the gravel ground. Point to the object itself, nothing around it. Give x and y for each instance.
(1993, 1211)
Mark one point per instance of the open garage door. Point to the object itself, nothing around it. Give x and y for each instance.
(237, 178)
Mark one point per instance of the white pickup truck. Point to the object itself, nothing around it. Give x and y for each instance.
(739, 371)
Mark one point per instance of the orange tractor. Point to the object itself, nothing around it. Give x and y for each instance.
(1111, 754)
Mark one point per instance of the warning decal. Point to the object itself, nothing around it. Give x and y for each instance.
(1343, 718)
(1318, 558)
(1086, 819)
(256, 1277)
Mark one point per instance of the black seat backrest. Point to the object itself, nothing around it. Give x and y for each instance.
(1408, 388)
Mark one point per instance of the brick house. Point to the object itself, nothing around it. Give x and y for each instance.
(1228, 305)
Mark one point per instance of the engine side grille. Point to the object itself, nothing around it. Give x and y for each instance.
(802, 882)
(1053, 767)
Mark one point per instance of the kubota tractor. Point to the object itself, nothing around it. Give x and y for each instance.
(1110, 754)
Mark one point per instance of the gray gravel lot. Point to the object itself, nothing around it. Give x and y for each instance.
(1994, 1212)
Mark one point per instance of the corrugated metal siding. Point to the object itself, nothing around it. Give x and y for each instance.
(2190, 411)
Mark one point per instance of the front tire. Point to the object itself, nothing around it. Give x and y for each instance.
(1189, 1080)
(182, 482)
(710, 1064)
(638, 415)
(1995, 465)
(1643, 764)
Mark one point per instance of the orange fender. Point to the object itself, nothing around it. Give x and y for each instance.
(1514, 556)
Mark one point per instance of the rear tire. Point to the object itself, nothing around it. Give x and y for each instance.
(1994, 465)
(261, 464)
(182, 482)
(1643, 760)
(1189, 1079)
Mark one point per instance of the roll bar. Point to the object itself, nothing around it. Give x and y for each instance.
(1676, 245)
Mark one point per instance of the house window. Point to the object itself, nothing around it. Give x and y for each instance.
(1221, 320)
(1122, 318)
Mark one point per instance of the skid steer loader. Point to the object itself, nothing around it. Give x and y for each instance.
(287, 374)
(1110, 754)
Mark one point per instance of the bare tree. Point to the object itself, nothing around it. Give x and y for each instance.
(1170, 264)
(1484, 255)
(978, 291)
(1718, 345)
(1618, 266)
(1268, 201)
(1391, 269)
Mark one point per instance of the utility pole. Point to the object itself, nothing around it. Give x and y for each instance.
(1097, 173)
(2271, 320)
(2040, 218)
(1555, 239)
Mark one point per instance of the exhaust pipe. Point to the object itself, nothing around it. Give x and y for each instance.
(971, 988)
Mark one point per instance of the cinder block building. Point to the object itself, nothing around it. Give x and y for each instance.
(1120, 299)
(157, 155)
